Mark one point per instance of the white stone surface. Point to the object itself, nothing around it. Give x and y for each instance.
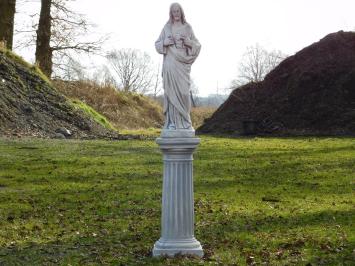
(180, 48)
(177, 221)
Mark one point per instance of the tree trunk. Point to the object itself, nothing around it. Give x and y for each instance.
(7, 16)
(43, 48)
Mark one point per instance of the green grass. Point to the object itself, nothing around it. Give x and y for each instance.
(269, 201)
(147, 132)
(93, 114)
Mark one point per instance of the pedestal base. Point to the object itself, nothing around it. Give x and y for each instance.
(171, 248)
(177, 221)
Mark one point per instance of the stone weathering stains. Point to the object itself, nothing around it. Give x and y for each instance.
(311, 92)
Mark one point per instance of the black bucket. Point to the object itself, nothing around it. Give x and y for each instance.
(250, 127)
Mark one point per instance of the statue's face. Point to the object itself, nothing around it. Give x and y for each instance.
(176, 12)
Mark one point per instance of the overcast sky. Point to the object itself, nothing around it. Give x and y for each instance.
(224, 28)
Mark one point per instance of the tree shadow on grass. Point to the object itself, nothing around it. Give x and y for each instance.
(78, 251)
(270, 234)
(272, 152)
(322, 235)
(285, 137)
(259, 184)
(241, 222)
(292, 176)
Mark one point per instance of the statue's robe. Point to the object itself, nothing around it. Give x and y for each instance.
(178, 59)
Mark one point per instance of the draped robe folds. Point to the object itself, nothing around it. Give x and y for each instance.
(178, 59)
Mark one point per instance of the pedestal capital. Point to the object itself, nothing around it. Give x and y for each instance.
(178, 143)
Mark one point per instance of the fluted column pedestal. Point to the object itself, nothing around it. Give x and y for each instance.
(177, 221)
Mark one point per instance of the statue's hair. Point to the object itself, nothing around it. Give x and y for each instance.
(171, 18)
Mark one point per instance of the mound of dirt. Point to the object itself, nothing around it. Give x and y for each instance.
(125, 110)
(30, 106)
(309, 93)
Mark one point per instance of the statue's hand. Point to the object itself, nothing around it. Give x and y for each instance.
(168, 41)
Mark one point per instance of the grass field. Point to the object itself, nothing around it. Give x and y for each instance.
(271, 201)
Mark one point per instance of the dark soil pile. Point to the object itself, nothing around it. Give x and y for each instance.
(311, 92)
(30, 106)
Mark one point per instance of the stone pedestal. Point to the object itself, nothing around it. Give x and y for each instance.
(177, 221)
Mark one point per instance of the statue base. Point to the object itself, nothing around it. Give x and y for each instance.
(177, 133)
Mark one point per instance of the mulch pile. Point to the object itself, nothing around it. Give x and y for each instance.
(309, 93)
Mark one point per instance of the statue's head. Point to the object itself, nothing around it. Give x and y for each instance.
(176, 13)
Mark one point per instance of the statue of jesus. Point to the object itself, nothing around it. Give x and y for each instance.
(180, 48)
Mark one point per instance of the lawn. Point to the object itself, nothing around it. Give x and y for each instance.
(278, 201)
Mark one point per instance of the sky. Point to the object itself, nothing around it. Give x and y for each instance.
(225, 28)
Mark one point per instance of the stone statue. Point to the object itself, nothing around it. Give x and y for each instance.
(180, 48)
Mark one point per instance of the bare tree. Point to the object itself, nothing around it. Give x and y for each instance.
(59, 35)
(194, 93)
(43, 48)
(70, 34)
(73, 70)
(157, 87)
(7, 17)
(133, 69)
(103, 76)
(256, 63)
